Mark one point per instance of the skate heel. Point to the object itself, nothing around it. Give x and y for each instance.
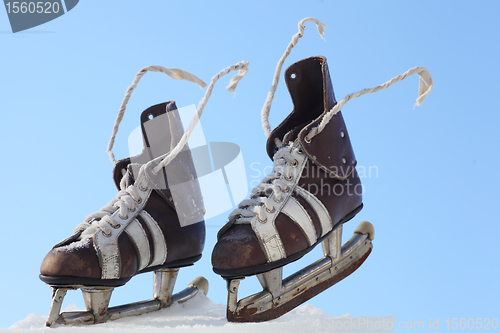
(280, 296)
(163, 285)
(332, 245)
(97, 300)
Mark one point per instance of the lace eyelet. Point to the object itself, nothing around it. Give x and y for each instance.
(295, 163)
(271, 211)
(143, 189)
(117, 226)
(306, 139)
(138, 201)
(123, 218)
(287, 189)
(299, 151)
(262, 221)
(289, 178)
(106, 234)
(131, 210)
(278, 201)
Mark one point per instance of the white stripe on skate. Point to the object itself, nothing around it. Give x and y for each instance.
(159, 244)
(137, 235)
(268, 235)
(319, 208)
(274, 248)
(266, 232)
(294, 210)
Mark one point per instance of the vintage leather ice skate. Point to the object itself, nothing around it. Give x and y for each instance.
(145, 228)
(313, 189)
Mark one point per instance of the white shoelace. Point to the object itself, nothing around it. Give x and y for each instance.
(128, 197)
(126, 201)
(425, 85)
(274, 183)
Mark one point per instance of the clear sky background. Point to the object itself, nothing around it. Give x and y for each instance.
(433, 201)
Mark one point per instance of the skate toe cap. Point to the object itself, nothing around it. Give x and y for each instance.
(77, 259)
(238, 248)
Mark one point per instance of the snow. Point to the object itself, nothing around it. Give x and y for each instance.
(200, 314)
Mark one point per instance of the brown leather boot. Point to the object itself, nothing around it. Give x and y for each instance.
(155, 223)
(313, 188)
(143, 229)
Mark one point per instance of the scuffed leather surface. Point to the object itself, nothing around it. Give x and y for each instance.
(328, 149)
(239, 247)
(340, 197)
(182, 242)
(82, 261)
(291, 235)
(128, 255)
(69, 260)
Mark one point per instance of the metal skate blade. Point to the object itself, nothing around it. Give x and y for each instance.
(97, 303)
(276, 300)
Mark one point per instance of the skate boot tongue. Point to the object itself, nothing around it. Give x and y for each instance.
(158, 137)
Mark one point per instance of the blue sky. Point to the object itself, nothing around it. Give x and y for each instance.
(433, 200)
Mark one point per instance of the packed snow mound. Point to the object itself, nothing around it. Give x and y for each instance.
(200, 314)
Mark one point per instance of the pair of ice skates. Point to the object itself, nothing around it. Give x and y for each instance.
(313, 189)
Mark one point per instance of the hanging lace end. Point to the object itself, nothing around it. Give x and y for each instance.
(267, 104)
(174, 73)
(236, 79)
(425, 85)
(321, 26)
(242, 68)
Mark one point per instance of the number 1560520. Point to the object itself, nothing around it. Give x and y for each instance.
(39, 7)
